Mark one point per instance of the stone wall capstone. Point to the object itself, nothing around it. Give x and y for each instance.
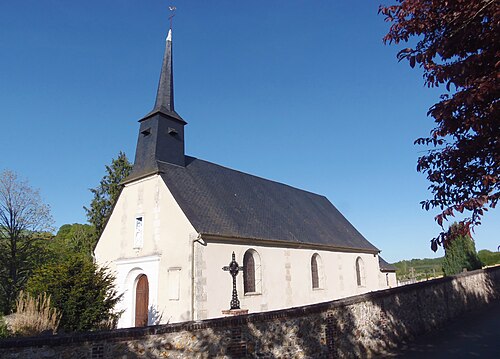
(356, 327)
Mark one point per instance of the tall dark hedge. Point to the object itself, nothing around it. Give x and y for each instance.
(83, 292)
(460, 254)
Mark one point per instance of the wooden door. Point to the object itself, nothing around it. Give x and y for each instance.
(141, 301)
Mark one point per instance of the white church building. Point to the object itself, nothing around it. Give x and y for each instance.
(178, 220)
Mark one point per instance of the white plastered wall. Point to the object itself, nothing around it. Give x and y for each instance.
(165, 256)
(387, 280)
(284, 280)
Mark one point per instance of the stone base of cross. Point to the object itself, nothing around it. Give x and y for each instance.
(234, 312)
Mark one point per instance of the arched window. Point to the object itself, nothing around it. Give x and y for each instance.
(360, 272)
(315, 270)
(251, 272)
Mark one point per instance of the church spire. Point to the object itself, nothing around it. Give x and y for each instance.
(165, 93)
(161, 133)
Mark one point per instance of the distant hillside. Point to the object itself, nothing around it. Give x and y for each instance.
(419, 268)
(489, 258)
(432, 267)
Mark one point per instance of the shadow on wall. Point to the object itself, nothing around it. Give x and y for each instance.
(154, 315)
(355, 327)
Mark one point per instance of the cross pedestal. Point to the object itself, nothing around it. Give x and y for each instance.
(234, 312)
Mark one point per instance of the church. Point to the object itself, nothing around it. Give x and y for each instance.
(179, 220)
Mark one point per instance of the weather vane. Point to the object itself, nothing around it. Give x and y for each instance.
(172, 14)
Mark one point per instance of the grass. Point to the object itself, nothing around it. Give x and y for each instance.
(33, 316)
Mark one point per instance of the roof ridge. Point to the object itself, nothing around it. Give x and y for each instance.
(252, 175)
(220, 200)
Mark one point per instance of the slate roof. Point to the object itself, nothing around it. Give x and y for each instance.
(384, 266)
(220, 201)
(165, 94)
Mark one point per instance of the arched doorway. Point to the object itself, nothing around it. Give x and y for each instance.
(141, 301)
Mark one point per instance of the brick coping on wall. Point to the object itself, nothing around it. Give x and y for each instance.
(133, 333)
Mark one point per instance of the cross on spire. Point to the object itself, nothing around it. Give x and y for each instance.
(172, 14)
(161, 133)
(165, 94)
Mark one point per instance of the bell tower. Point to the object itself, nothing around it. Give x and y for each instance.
(161, 132)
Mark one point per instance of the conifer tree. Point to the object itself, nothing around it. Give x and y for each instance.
(460, 252)
(80, 290)
(107, 192)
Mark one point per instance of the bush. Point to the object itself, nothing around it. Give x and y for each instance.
(82, 292)
(4, 331)
(460, 252)
(33, 315)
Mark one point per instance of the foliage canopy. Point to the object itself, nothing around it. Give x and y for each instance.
(25, 222)
(456, 46)
(73, 238)
(4, 331)
(107, 192)
(489, 258)
(81, 291)
(460, 252)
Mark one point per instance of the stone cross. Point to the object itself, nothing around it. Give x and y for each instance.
(233, 269)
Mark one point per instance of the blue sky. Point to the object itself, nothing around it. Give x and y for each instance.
(301, 92)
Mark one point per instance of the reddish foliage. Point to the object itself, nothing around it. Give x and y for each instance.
(457, 46)
(456, 230)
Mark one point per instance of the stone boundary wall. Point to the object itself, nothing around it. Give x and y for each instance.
(354, 327)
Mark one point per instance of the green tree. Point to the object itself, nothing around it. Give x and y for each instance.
(4, 331)
(455, 43)
(107, 192)
(488, 257)
(73, 238)
(460, 251)
(81, 291)
(25, 222)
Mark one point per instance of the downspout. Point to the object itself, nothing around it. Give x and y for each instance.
(199, 240)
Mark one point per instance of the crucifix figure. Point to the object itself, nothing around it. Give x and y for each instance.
(233, 269)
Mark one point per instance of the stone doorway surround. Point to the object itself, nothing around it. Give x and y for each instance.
(129, 271)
